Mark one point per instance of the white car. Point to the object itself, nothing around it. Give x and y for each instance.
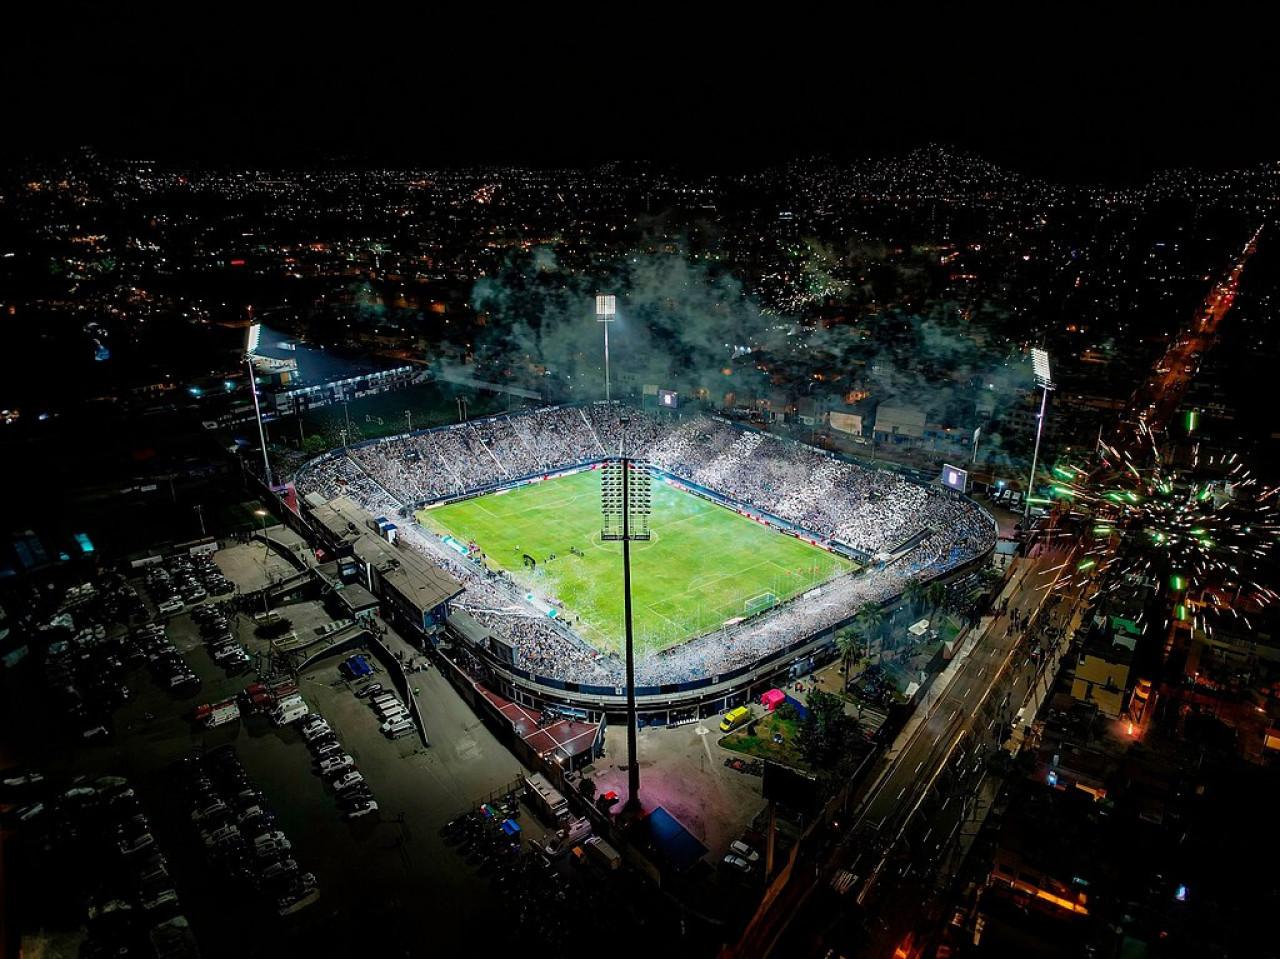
(336, 763)
(275, 835)
(737, 862)
(743, 851)
(316, 730)
(361, 809)
(347, 780)
(171, 606)
(277, 847)
(393, 722)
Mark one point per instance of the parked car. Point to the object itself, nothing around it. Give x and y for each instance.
(259, 822)
(27, 778)
(737, 862)
(354, 796)
(324, 742)
(347, 780)
(28, 813)
(362, 808)
(743, 851)
(336, 763)
(327, 750)
(316, 730)
(404, 727)
(276, 848)
(167, 896)
(207, 810)
(135, 844)
(366, 691)
(279, 870)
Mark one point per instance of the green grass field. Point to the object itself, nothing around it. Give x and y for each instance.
(703, 565)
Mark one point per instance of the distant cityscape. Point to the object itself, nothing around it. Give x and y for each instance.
(890, 313)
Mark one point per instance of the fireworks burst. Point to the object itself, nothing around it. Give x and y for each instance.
(1210, 529)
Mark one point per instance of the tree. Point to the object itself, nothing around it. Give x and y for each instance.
(935, 594)
(848, 643)
(827, 733)
(869, 616)
(914, 594)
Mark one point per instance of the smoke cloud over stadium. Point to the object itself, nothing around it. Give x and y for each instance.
(690, 327)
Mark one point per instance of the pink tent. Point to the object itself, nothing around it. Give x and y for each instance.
(772, 698)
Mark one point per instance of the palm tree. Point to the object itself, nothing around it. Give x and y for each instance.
(848, 644)
(869, 616)
(914, 594)
(934, 594)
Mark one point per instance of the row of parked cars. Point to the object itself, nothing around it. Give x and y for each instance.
(220, 639)
(94, 837)
(185, 580)
(151, 644)
(236, 828)
(393, 715)
(337, 768)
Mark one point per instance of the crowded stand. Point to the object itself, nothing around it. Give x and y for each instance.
(899, 528)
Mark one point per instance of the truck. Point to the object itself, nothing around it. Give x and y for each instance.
(215, 714)
(735, 718)
(258, 697)
(545, 797)
(602, 853)
(287, 712)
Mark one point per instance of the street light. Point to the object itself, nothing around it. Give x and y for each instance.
(408, 415)
(255, 337)
(462, 409)
(1040, 362)
(262, 515)
(606, 304)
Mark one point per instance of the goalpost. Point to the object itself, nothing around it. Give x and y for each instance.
(758, 604)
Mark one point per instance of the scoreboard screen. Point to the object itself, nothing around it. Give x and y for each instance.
(953, 477)
(668, 399)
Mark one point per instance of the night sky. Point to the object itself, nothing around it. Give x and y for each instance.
(1079, 100)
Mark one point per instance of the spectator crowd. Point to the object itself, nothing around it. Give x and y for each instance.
(899, 528)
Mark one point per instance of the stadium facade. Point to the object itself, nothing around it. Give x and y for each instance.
(896, 528)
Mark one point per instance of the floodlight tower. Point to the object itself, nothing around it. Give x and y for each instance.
(255, 337)
(1040, 362)
(606, 309)
(625, 504)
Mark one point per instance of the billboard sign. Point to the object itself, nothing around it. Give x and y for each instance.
(953, 477)
(668, 399)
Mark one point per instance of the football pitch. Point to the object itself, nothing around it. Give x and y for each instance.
(703, 565)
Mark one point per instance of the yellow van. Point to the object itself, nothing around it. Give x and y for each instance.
(735, 718)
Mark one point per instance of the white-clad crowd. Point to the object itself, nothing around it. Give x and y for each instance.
(877, 512)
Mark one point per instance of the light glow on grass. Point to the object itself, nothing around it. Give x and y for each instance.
(702, 566)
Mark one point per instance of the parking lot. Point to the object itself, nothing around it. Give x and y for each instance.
(391, 869)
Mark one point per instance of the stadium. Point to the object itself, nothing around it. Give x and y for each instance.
(760, 549)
